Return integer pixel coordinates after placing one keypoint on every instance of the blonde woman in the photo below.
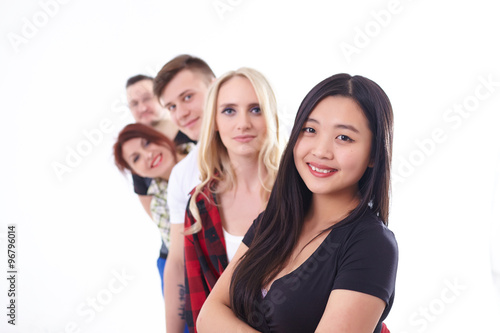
(238, 161)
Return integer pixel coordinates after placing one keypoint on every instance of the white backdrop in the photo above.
(86, 252)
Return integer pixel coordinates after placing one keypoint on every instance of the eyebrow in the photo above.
(185, 92)
(232, 105)
(341, 126)
(180, 95)
(347, 127)
(227, 105)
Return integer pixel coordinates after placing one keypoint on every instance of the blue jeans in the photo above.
(160, 263)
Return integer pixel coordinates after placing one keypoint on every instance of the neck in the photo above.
(164, 177)
(167, 127)
(246, 172)
(327, 210)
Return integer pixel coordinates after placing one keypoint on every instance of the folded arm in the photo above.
(216, 314)
(351, 311)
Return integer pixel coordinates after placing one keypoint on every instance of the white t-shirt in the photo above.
(232, 244)
(184, 177)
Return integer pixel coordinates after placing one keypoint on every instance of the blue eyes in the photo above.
(230, 111)
(186, 98)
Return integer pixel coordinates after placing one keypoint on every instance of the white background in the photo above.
(62, 74)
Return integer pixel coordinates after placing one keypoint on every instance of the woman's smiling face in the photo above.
(148, 159)
(333, 150)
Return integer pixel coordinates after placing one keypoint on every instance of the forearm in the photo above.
(174, 297)
(216, 317)
(174, 281)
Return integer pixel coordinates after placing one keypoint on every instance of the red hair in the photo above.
(137, 130)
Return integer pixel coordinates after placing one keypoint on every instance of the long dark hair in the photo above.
(280, 225)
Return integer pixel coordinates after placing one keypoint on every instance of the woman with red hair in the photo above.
(146, 152)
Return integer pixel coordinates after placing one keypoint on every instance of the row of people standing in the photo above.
(153, 125)
(331, 195)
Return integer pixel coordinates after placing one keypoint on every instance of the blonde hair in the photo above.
(213, 159)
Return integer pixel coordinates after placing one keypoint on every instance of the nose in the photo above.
(182, 112)
(141, 107)
(243, 121)
(323, 149)
(149, 155)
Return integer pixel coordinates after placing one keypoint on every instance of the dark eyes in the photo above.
(145, 99)
(341, 137)
(144, 143)
(344, 138)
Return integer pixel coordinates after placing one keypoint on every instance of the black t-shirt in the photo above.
(181, 138)
(141, 184)
(361, 256)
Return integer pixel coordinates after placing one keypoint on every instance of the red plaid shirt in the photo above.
(205, 255)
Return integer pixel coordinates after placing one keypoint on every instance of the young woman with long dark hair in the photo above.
(320, 258)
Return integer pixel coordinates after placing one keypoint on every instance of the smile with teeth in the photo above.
(321, 170)
(157, 160)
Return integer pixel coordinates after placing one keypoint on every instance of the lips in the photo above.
(190, 123)
(146, 113)
(321, 170)
(156, 161)
(244, 138)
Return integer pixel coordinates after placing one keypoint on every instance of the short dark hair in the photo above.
(177, 64)
(136, 78)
